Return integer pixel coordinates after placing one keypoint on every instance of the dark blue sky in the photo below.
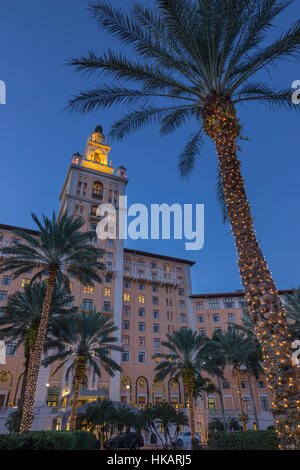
(38, 139)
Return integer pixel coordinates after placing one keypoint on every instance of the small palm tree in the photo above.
(185, 358)
(97, 416)
(236, 348)
(22, 315)
(83, 342)
(166, 416)
(59, 250)
(199, 60)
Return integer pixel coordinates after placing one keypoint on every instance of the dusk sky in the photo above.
(38, 139)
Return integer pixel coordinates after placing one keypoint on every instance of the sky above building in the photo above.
(38, 139)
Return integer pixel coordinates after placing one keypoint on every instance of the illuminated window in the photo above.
(97, 192)
(142, 341)
(126, 296)
(158, 400)
(211, 403)
(141, 299)
(25, 282)
(157, 359)
(88, 289)
(125, 340)
(142, 402)
(107, 291)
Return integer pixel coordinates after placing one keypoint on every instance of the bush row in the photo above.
(249, 440)
(48, 440)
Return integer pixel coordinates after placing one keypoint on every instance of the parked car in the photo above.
(186, 438)
(130, 440)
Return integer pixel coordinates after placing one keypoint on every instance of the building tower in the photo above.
(90, 181)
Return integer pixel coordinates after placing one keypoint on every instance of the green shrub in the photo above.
(48, 440)
(249, 440)
(85, 440)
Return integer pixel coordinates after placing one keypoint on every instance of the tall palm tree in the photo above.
(185, 358)
(59, 250)
(22, 315)
(237, 349)
(203, 386)
(201, 59)
(83, 342)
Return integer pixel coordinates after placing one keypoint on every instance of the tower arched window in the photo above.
(97, 190)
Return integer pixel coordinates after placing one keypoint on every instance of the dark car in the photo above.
(126, 440)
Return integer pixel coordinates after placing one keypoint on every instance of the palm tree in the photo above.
(98, 415)
(82, 342)
(59, 250)
(185, 358)
(203, 386)
(201, 59)
(166, 416)
(237, 349)
(22, 315)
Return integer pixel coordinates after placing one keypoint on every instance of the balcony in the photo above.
(145, 273)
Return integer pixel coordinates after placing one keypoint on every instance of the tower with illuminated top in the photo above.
(91, 180)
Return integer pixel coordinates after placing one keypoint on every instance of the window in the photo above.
(16, 241)
(154, 288)
(126, 284)
(106, 306)
(155, 327)
(260, 384)
(125, 340)
(199, 305)
(156, 358)
(179, 270)
(202, 331)
(247, 403)
(170, 315)
(126, 324)
(153, 265)
(141, 312)
(109, 255)
(88, 289)
(244, 385)
(93, 211)
(11, 349)
(126, 296)
(158, 401)
(181, 304)
(125, 356)
(115, 197)
(226, 385)
(171, 329)
(108, 278)
(140, 263)
(201, 318)
(25, 282)
(126, 261)
(156, 343)
(181, 292)
(183, 317)
(155, 314)
(231, 317)
(216, 318)
(87, 304)
(228, 303)
(126, 310)
(264, 403)
(155, 300)
(93, 226)
(141, 326)
(212, 303)
(211, 403)
(242, 303)
(109, 243)
(141, 356)
(97, 192)
(3, 295)
(141, 286)
(217, 328)
(141, 341)
(6, 280)
(107, 291)
(141, 299)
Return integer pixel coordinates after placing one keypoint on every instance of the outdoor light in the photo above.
(47, 385)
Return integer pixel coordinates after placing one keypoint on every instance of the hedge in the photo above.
(249, 440)
(48, 440)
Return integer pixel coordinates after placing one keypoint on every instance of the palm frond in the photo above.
(187, 158)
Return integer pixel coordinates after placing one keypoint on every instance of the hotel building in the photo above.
(147, 295)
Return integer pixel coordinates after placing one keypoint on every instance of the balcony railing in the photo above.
(145, 273)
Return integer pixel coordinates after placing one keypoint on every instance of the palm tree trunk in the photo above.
(36, 358)
(191, 412)
(22, 392)
(222, 403)
(243, 416)
(266, 310)
(77, 382)
(253, 401)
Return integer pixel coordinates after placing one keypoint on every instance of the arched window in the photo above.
(93, 211)
(97, 190)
